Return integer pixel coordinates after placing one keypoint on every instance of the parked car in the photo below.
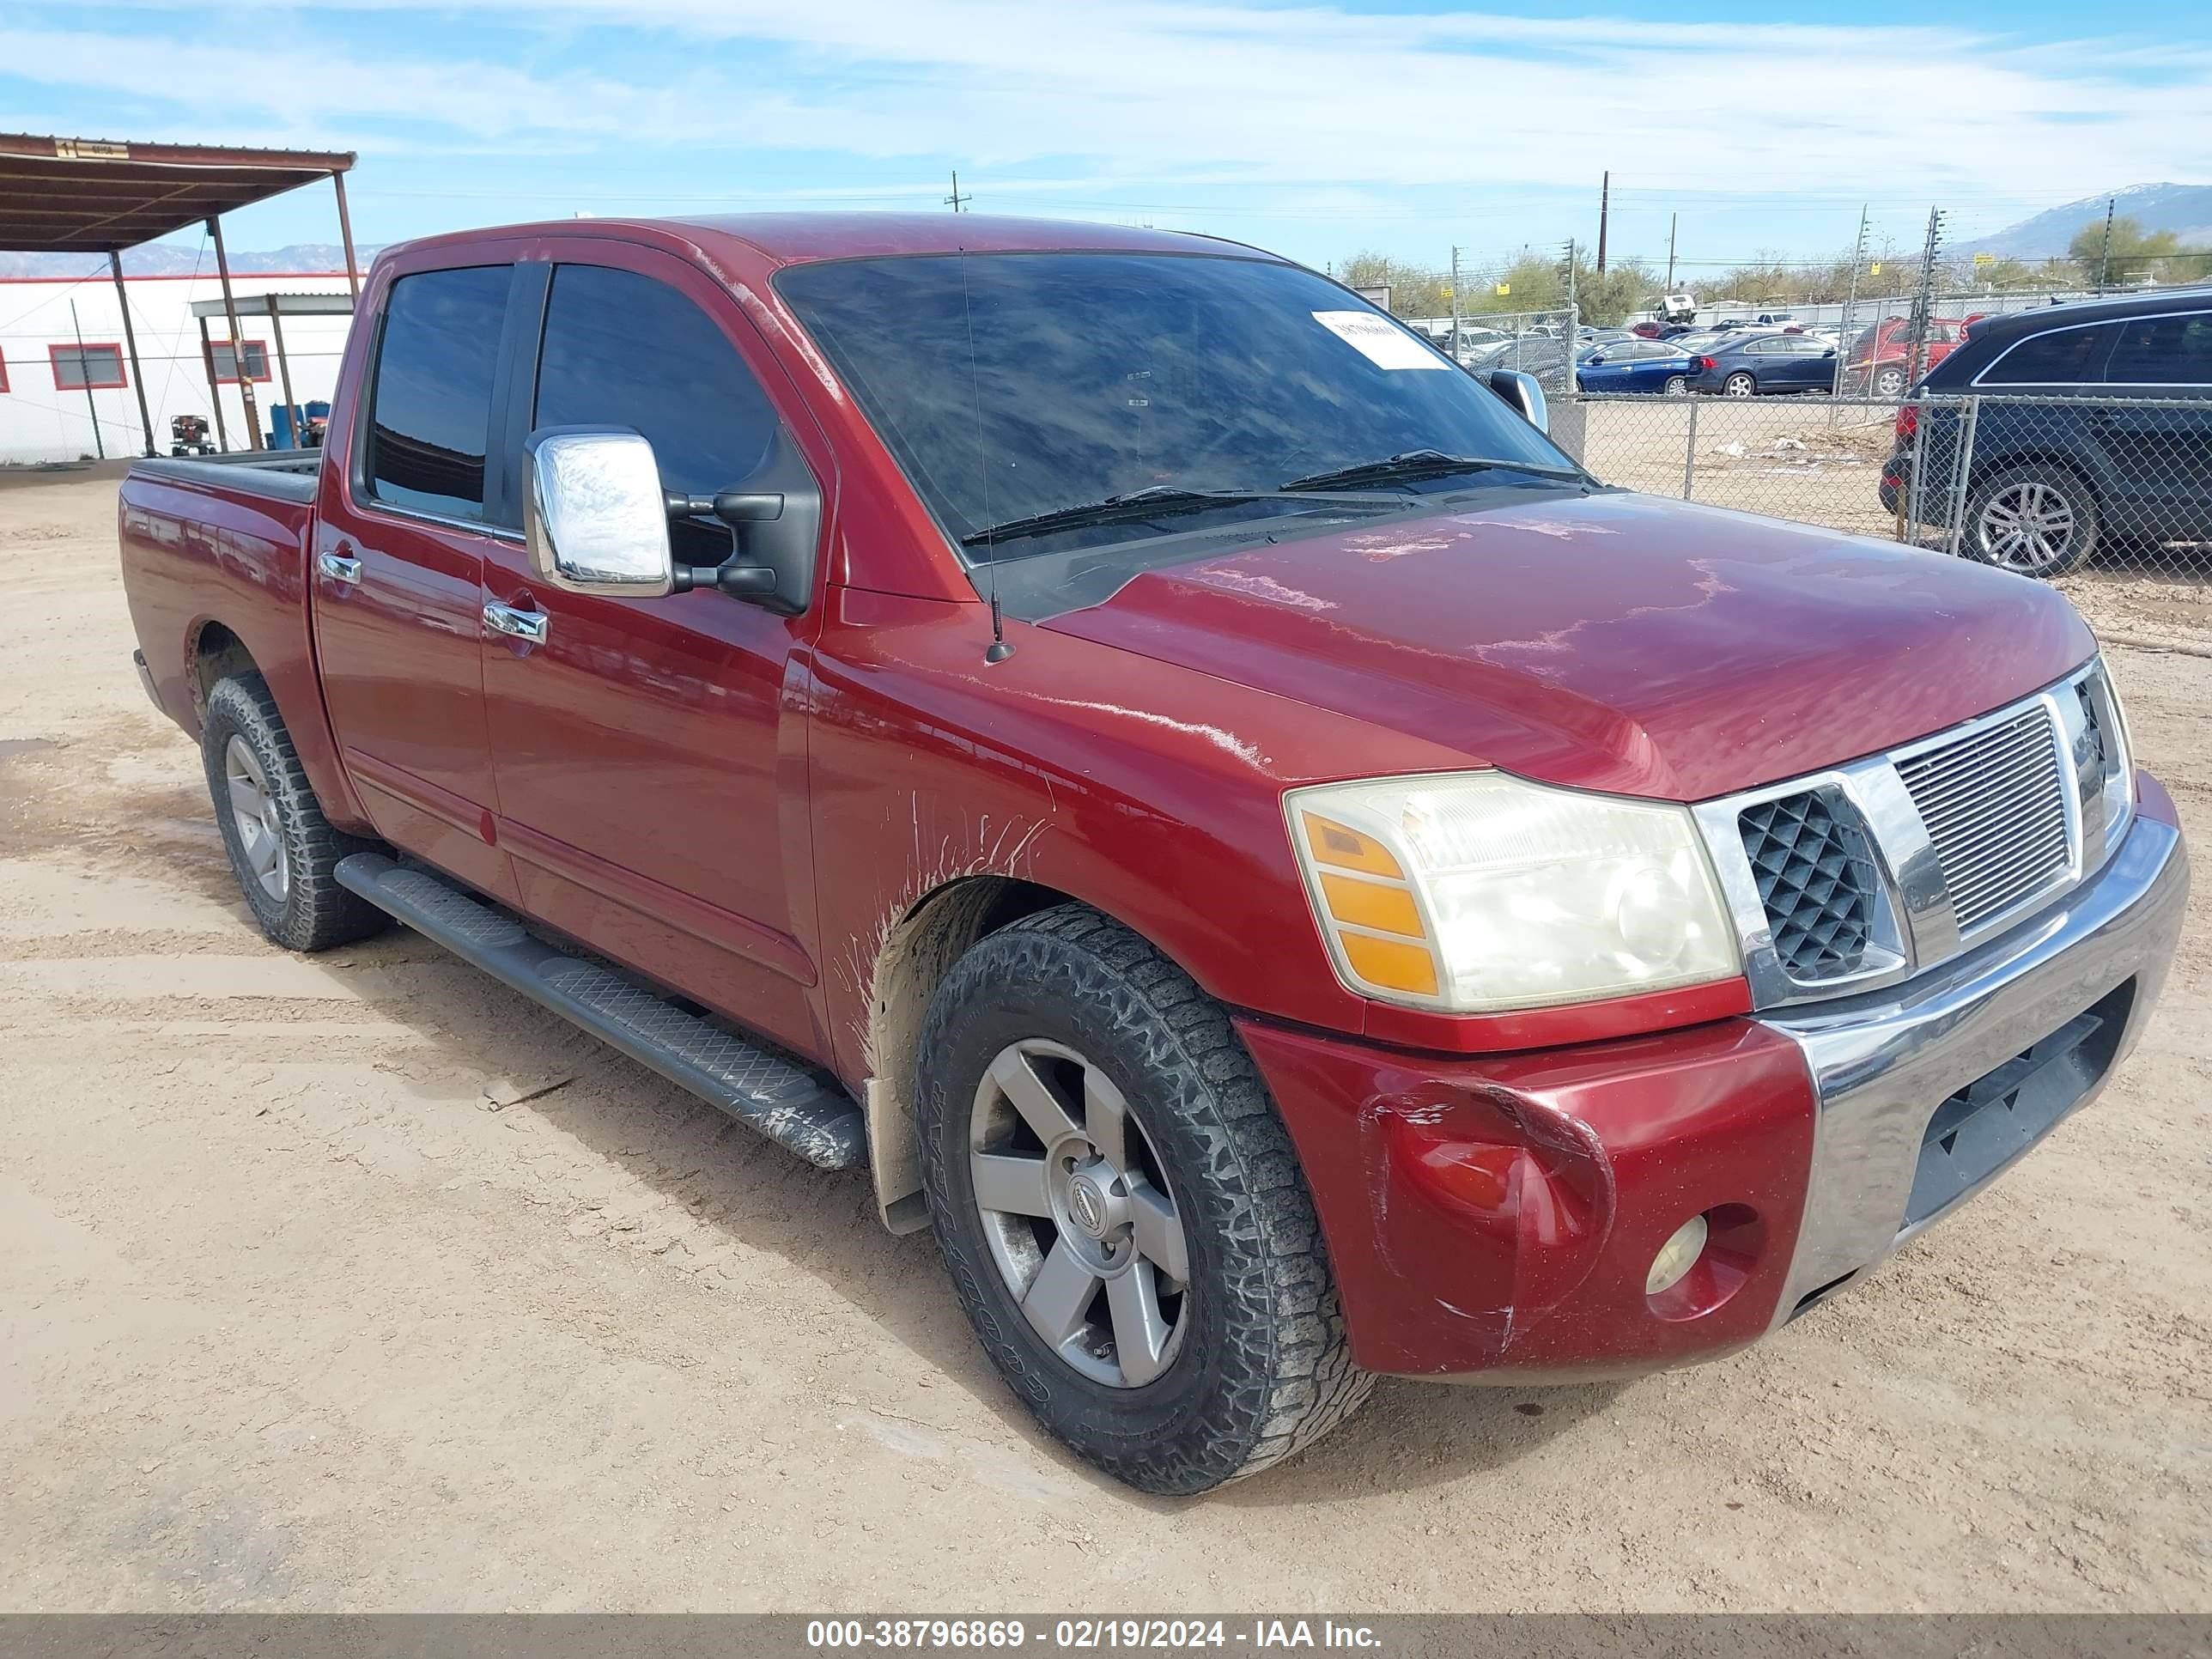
(1477, 345)
(2053, 475)
(1880, 361)
(1745, 365)
(1281, 872)
(1637, 365)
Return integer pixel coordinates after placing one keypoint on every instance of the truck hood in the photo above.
(1619, 642)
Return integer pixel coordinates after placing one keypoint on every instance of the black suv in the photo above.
(2052, 473)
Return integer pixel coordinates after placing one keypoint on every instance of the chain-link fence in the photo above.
(2112, 495)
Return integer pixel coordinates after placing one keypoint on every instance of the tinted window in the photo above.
(2064, 356)
(622, 350)
(1016, 383)
(433, 392)
(2163, 351)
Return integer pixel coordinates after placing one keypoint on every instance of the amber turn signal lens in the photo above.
(1370, 904)
(1395, 967)
(1343, 847)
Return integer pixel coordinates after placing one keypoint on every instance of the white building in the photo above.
(47, 410)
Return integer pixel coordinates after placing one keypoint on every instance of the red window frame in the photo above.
(55, 353)
(251, 348)
(4, 374)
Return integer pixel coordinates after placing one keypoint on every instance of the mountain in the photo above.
(2184, 209)
(172, 259)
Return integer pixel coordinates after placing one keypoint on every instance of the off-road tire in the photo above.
(1262, 1368)
(315, 913)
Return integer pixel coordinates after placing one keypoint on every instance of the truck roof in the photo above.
(802, 238)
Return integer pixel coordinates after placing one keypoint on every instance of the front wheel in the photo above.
(1121, 1211)
(2039, 520)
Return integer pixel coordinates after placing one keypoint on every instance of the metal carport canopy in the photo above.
(95, 196)
(99, 196)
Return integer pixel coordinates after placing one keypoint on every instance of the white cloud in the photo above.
(1313, 97)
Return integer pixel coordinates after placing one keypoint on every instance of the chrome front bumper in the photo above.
(1883, 1063)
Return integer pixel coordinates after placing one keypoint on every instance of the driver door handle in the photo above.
(528, 626)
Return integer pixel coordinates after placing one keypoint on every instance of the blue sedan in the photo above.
(1745, 365)
(1636, 366)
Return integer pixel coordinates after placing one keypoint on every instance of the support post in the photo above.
(84, 370)
(215, 390)
(1963, 474)
(1690, 453)
(237, 341)
(284, 370)
(345, 235)
(131, 344)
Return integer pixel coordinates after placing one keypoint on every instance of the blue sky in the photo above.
(1315, 129)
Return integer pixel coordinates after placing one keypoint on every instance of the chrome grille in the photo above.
(1816, 881)
(1995, 806)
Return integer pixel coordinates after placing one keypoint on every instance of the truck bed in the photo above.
(215, 557)
(284, 476)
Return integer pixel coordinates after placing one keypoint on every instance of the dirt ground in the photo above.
(294, 1314)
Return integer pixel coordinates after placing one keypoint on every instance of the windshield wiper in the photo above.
(1155, 502)
(1417, 464)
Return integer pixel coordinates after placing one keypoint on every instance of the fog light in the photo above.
(1676, 1257)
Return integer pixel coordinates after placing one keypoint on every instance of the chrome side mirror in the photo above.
(595, 517)
(1525, 394)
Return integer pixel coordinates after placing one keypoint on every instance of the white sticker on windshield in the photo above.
(1379, 340)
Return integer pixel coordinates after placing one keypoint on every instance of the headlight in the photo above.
(2104, 758)
(1476, 892)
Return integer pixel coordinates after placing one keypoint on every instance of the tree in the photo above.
(1414, 292)
(2133, 255)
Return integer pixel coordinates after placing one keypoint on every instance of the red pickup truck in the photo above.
(1286, 874)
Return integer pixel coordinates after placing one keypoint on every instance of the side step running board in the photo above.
(795, 1107)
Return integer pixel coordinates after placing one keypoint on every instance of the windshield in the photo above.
(1014, 385)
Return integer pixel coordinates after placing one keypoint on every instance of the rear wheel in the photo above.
(283, 850)
(1889, 381)
(1739, 385)
(1677, 385)
(2038, 519)
(1121, 1211)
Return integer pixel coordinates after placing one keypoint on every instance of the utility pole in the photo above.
(1454, 312)
(2104, 258)
(1604, 202)
(1924, 301)
(1671, 220)
(957, 199)
(84, 370)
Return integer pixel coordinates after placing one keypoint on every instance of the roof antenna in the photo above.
(999, 648)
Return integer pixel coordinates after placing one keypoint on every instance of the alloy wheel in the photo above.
(2025, 527)
(1739, 386)
(1078, 1214)
(254, 812)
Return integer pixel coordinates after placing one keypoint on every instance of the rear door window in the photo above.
(430, 407)
(624, 349)
(2163, 351)
(2064, 356)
